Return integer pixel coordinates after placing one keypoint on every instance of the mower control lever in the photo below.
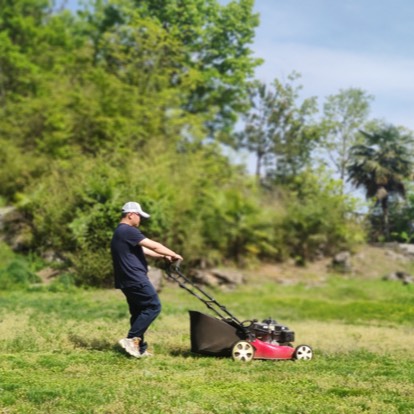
(248, 323)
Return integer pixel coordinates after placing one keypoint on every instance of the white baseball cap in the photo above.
(133, 207)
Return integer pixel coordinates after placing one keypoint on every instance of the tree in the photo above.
(278, 130)
(257, 136)
(381, 165)
(20, 27)
(295, 134)
(343, 115)
(216, 42)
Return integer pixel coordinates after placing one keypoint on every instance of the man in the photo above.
(128, 248)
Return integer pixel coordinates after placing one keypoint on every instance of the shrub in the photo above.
(17, 274)
(319, 218)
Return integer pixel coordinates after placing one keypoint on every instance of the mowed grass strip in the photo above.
(59, 354)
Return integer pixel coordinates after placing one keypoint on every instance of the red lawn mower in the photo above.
(227, 336)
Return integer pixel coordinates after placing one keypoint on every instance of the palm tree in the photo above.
(381, 165)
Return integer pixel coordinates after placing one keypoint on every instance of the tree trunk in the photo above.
(259, 157)
(385, 219)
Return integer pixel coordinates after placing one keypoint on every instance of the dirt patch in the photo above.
(47, 274)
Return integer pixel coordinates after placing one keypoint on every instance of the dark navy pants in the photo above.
(144, 306)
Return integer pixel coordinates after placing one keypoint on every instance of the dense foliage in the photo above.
(137, 100)
(381, 165)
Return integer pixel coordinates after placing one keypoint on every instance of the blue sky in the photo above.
(336, 45)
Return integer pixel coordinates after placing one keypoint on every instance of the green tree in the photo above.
(20, 28)
(295, 132)
(216, 40)
(278, 130)
(116, 103)
(257, 136)
(382, 165)
(344, 114)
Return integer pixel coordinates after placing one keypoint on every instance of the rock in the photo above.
(403, 277)
(203, 277)
(393, 255)
(232, 277)
(406, 249)
(155, 277)
(217, 277)
(50, 256)
(16, 230)
(4, 211)
(342, 262)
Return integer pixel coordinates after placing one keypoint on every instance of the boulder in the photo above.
(228, 277)
(16, 231)
(406, 249)
(155, 276)
(399, 276)
(342, 262)
(217, 277)
(203, 277)
(4, 211)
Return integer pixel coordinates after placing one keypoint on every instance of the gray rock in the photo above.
(406, 249)
(393, 255)
(217, 277)
(16, 231)
(399, 276)
(232, 277)
(342, 262)
(4, 211)
(155, 277)
(203, 277)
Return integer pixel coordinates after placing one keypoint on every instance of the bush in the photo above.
(200, 206)
(16, 275)
(319, 219)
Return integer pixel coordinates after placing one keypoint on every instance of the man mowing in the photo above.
(128, 249)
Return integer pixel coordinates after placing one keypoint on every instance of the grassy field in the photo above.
(59, 352)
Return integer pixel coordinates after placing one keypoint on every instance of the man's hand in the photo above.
(174, 258)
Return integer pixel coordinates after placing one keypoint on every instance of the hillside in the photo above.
(368, 262)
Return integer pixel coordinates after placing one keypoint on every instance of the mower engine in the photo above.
(272, 332)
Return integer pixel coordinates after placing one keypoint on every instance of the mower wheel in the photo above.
(303, 352)
(242, 351)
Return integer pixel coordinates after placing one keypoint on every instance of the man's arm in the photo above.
(155, 249)
(149, 252)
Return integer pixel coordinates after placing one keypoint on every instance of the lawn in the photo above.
(59, 352)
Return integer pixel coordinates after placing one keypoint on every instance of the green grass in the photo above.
(59, 353)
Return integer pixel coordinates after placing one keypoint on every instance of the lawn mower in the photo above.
(227, 336)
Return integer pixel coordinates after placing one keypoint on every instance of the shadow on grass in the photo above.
(105, 345)
(93, 343)
(188, 354)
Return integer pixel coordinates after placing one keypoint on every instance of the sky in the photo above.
(339, 44)
(334, 45)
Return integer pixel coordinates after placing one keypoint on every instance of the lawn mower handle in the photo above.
(173, 272)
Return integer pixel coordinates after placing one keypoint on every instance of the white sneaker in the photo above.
(131, 346)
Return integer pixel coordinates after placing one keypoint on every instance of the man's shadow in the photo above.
(99, 344)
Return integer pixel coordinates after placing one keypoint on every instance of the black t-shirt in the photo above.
(130, 265)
